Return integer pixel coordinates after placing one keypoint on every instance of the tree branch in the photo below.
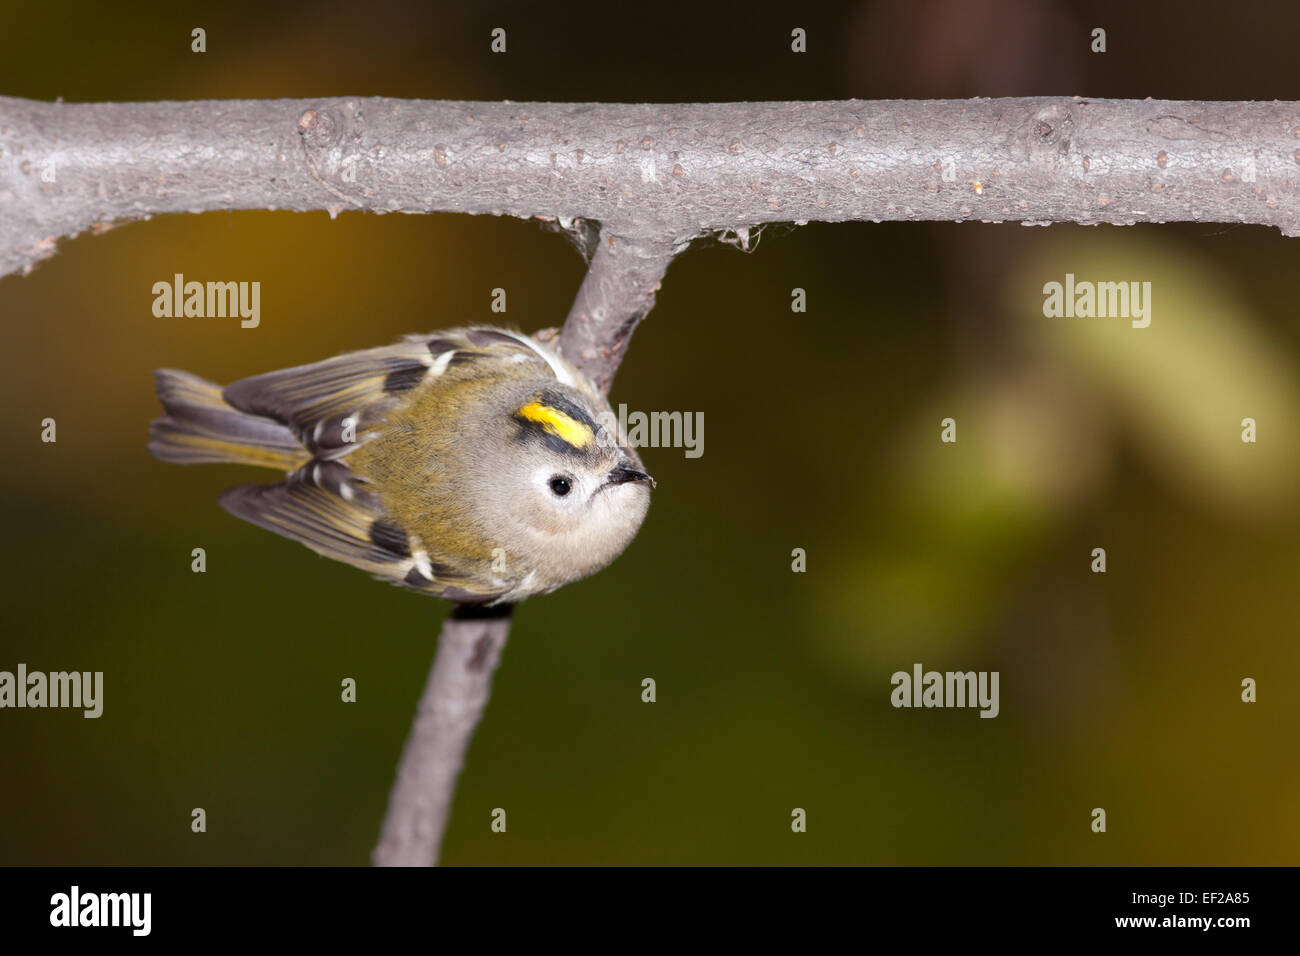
(615, 295)
(663, 173)
(449, 710)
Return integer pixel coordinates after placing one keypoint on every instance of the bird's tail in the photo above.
(201, 428)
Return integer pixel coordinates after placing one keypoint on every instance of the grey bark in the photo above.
(617, 292)
(664, 173)
(615, 295)
(453, 702)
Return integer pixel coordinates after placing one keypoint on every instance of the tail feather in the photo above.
(201, 428)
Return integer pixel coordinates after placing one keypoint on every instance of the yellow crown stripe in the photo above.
(557, 423)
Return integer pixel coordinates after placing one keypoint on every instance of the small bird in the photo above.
(474, 464)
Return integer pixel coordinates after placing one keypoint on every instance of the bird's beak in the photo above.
(622, 474)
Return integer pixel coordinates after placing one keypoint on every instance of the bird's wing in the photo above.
(320, 401)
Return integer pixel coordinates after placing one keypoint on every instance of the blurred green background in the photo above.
(1118, 691)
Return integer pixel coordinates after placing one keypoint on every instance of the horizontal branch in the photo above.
(649, 172)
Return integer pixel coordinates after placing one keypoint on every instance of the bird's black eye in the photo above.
(559, 485)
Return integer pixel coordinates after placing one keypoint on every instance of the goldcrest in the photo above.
(471, 464)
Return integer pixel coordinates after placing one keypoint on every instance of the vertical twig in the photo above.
(449, 710)
(617, 292)
(615, 295)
